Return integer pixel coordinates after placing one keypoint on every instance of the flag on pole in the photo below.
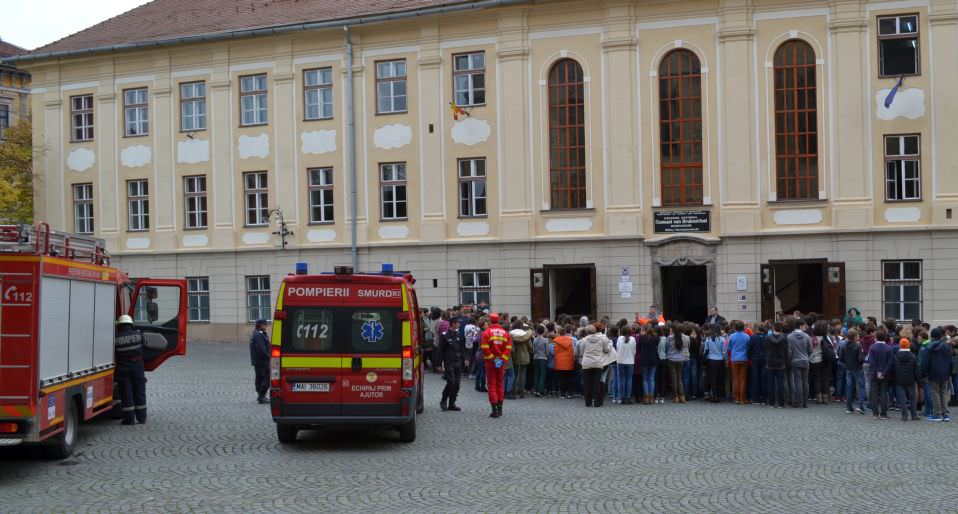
(894, 91)
(457, 112)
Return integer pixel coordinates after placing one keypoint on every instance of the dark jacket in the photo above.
(776, 351)
(852, 356)
(906, 368)
(129, 345)
(938, 363)
(756, 347)
(648, 351)
(882, 358)
(718, 320)
(451, 349)
(258, 348)
(829, 346)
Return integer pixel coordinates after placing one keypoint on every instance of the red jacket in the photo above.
(496, 342)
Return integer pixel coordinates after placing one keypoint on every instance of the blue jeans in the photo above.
(839, 378)
(757, 381)
(855, 381)
(906, 399)
(480, 376)
(926, 389)
(648, 380)
(695, 374)
(623, 381)
(510, 379)
(776, 386)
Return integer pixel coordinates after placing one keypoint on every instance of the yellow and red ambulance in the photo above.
(346, 352)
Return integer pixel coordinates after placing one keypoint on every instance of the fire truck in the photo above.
(346, 352)
(59, 299)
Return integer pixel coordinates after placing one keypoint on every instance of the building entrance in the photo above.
(558, 290)
(684, 293)
(804, 286)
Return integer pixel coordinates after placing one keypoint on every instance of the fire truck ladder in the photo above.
(41, 240)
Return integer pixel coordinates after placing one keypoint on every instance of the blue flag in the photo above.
(894, 91)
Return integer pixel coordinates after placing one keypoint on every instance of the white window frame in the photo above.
(466, 68)
(83, 222)
(258, 290)
(256, 195)
(194, 201)
(899, 34)
(193, 106)
(136, 112)
(901, 282)
(318, 94)
(81, 118)
(471, 283)
(472, 187)
(198, 289)
(392, 87)
(320, 190)
(254, 89)
(902, 169)
(392, 182)
(138, 205)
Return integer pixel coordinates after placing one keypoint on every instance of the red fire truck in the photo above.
(59, 300)
(346, 352)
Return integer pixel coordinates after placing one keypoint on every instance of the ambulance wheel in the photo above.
(420, 406)
(407, 432)
(286, 433)
(62, 445)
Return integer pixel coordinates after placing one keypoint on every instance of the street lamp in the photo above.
(283, 232)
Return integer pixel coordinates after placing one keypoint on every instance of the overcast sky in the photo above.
(34, 23)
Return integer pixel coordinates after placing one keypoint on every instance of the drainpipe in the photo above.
(351, 143)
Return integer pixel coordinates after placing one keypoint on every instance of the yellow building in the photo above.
(552, 156)
(14, 89)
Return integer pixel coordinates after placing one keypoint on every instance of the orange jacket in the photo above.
(496, 342)
(646, 321)
(564, 352)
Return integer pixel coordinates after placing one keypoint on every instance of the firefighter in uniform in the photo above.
(129, 371)
(259, 358)
(450, 352)
(496, 350)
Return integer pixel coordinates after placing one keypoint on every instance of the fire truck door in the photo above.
(159, 312)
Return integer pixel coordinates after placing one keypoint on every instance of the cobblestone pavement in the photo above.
(210, 448)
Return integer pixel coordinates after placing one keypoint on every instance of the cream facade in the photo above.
(761, 252)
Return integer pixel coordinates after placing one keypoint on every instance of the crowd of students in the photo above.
(862, 363)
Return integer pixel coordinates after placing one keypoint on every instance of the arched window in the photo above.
(796, 122)
(680, 128)
(567, 135)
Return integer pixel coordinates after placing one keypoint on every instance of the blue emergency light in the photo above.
(387, 268)
(302, 268)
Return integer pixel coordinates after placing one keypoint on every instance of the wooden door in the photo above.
(768, 292)
(594, 303)
(833, 290)
(539, 293)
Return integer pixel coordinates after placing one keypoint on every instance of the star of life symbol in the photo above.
(372, 331)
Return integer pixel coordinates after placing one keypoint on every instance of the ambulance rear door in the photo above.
(311, 362)
(372, 339)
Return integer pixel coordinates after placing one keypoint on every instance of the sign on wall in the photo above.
(682, 221)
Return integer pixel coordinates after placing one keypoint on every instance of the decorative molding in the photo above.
(429, 62)
(106, 98)
(943, 18)
(223, 85)
(620, 43)
(736, 34)
(284, 78)
(512, 54)
(843, 26)
(162, 92)
(53, 104)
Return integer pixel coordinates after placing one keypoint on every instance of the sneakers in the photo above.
(934, 418)
(849, 411)
(946, 418)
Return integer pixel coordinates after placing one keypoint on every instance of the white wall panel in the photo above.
(82, 302)
(54, 326)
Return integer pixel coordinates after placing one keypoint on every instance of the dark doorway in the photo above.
(798, 287)
(685, 293)
(572, 291)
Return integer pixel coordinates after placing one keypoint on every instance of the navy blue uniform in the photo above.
(130, 376)
(259, 358)
(450, 351)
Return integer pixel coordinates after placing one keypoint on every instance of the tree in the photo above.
(16, 174)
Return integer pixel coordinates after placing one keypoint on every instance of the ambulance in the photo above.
(346, 352)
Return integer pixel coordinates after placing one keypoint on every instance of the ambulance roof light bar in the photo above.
(343, 270)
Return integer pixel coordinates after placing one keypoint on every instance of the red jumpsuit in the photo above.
(496, 343)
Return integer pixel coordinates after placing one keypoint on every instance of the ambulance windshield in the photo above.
(347, 330)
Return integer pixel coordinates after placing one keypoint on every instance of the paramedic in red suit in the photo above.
(496, 350)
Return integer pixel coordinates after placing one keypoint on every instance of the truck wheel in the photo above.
(407, 432)
(286, 433)
(62, 445)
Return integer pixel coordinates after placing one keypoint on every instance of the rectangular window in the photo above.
(901, 289)
(135, 112)
(392, 187)
(81, 118)
(193, 106)
(903, 167)
(83, 208)
(472, 187)
(318, 92)
(253, 100)
(198, 298)
(257, 198)
(194, 192)
(469, 78)
(474, 287)
(898, 52)
(4, 118)
(138, 205)
(391, 86)
(321, 195)
(257, 298)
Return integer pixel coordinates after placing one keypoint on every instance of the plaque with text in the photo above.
(682, 221)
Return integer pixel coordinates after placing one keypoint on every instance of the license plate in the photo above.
(311, 387)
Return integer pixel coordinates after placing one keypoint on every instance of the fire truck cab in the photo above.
(346, 352)
(59, 301)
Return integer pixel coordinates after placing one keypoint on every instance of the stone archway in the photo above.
(683, 250)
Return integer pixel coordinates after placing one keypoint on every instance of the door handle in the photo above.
(357, 364)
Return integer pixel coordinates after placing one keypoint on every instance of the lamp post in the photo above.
(283, 232)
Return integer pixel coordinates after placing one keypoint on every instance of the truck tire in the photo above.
(286, 433)
(62, 446)
(407, 432)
